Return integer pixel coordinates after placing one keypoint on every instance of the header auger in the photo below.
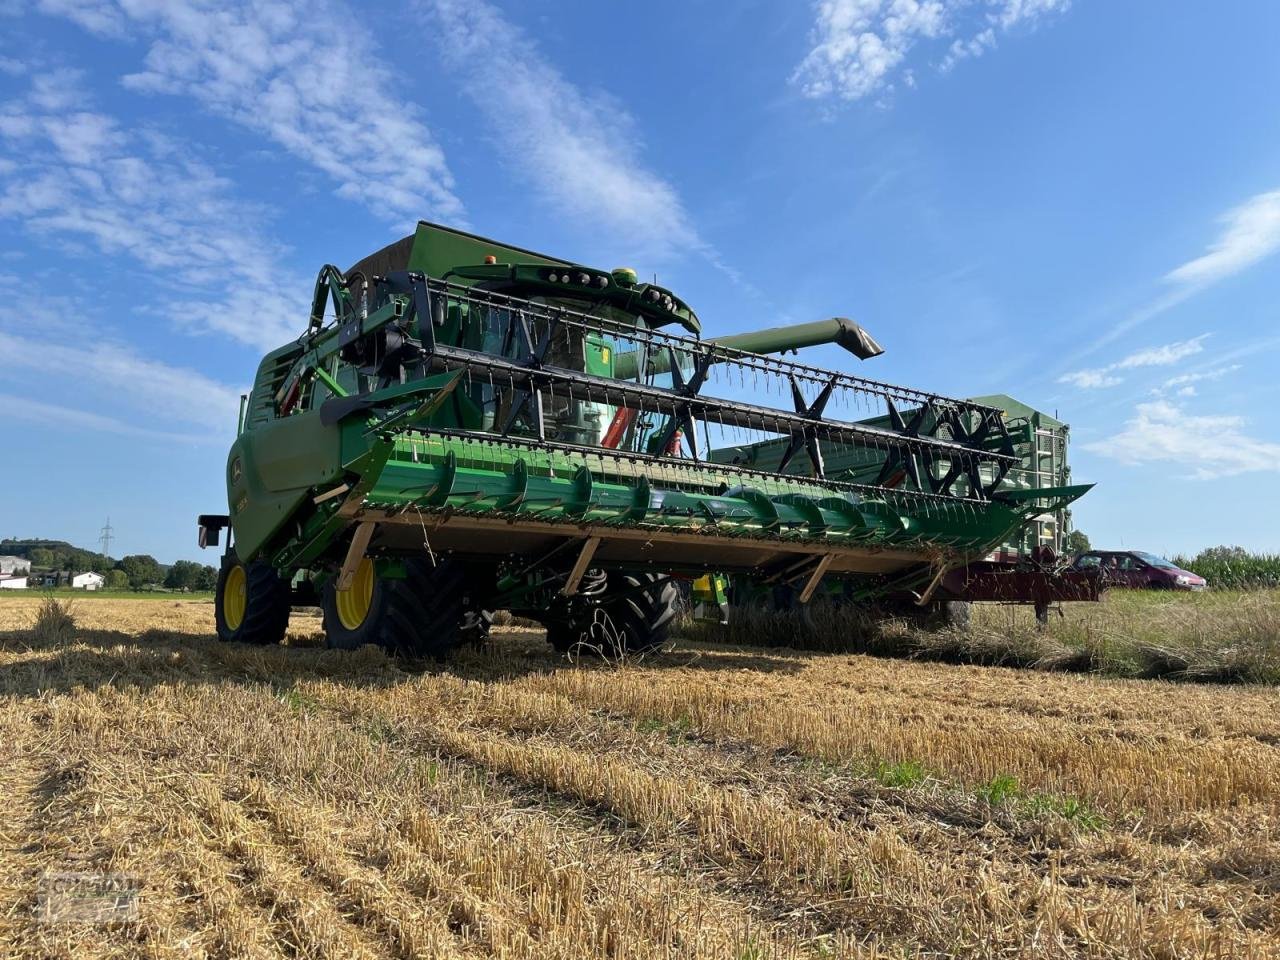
(479, 427)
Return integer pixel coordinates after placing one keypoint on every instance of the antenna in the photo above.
(105, 537)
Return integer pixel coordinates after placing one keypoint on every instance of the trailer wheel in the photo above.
(635, 614)
(251, 602)
(956, 614)
(935, 615)
(427, 613)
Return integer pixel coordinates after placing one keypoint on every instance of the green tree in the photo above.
(183, 575)
(117, 580)
(1077, 542)
(1222, 553)
(207, 578)
(43, 557)
(141, 569)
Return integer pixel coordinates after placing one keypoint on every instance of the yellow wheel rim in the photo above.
(354, 602)
(234, 599)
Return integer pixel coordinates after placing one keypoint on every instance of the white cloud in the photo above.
(1251, 234)
(304, 75)
(105, 376)
(79, 174)
(579, 152)
(1207, 446)
(1161, 356)
(859, 45)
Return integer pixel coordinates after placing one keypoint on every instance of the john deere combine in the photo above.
(466, 426)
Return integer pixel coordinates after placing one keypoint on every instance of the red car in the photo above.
(1142, 571)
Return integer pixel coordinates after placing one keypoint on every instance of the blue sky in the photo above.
(1074, 203)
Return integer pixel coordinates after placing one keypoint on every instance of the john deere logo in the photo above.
(235, 470)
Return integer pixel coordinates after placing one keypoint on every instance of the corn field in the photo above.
(1234, 569)
(711, 800)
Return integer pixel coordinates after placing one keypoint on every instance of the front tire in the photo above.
(429, 612)
(634, 615)
(251, 603)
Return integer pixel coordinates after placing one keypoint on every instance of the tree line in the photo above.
(137, 571)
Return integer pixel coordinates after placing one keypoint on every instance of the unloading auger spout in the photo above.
(838, 330)
(466, 426)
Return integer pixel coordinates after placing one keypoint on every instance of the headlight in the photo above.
(1182, 581)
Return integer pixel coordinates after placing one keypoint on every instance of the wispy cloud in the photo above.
(306, 76)
(104, 18)
(1250, 234)
(968, 48)
(1164, 355)
(1206, 446)
(1161, 356)
(1184, 384)
(859, 46)
(1091, 379)
(81, 175)
(50, 415)
(117, 383)
(580, 152)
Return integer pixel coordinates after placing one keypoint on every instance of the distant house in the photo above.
(14, 565)
(10, 582)
(88, 581)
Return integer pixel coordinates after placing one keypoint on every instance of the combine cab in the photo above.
(465, 426)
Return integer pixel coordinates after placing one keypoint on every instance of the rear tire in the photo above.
(251, 602)
(429, 612)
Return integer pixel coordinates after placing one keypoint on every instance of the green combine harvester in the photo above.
(465, 426)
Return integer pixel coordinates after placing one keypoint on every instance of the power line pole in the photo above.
(105, 537)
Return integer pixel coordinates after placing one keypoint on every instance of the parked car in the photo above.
(1141, 571)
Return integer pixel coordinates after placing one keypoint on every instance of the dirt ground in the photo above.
(710, 801)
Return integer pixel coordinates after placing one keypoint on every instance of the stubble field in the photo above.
(710, 801)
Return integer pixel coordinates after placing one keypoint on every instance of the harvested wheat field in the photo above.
(711, 801)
